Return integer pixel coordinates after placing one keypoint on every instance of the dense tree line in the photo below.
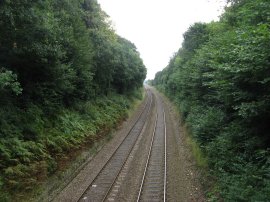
(59, 59)
(220, 80)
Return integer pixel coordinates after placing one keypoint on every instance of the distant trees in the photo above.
(129, 69)
(220, 81)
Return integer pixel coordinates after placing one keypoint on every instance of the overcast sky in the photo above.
(156, 26)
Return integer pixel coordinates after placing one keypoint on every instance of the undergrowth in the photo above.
(197, 153)
(26, 163)
(236, 169)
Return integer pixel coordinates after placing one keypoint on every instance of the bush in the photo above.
(31, 155)
(205, 123)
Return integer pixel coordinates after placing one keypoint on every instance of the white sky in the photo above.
(156, 26)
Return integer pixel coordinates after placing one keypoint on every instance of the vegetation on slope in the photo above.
(64, 77)
(220, 80)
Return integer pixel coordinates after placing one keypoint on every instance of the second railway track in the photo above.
(103, 182)
(133, 166)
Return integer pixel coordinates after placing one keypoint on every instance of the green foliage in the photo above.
(220, 81)
(8, 82)
(65, 76)
(31, 155)
(197, 153)
(205, 123)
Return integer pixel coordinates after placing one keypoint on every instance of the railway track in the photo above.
(100, 187)
(137, 170)
(153, 184)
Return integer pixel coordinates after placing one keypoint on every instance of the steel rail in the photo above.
(149, 156)
(105, 197)
(165, 156)
(149, 99)
(147, 162)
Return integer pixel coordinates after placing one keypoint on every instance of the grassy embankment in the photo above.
(61, 145)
